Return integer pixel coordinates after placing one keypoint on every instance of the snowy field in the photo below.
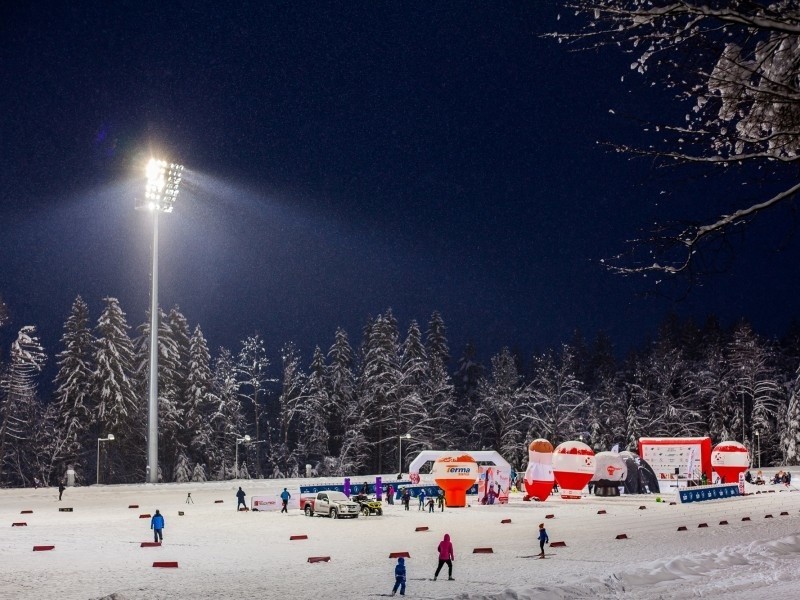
(225, 554)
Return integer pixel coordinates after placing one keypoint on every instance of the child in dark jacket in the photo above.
(400, 577)
(543, 539)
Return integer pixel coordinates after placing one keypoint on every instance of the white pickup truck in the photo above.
(330, 503)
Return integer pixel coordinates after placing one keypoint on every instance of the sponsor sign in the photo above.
(448, 468)
(267, 503)
(497, 480)
(700, 494)
(677, 458)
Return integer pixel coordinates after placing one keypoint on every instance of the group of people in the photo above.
(285, 495)
(425, 501)
(446, 557)
(781, 477)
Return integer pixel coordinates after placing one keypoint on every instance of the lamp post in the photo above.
(109, 438)
(163, 180)
(400, 451)
(758, 447)
(244, 439)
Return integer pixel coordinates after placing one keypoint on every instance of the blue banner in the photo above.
(355, 488)
(717, 492)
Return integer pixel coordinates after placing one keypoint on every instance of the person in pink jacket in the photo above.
(445, 557)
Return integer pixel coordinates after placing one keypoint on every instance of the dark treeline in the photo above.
(343, 409)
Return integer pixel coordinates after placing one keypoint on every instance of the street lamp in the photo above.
(110, 438)
(163, 180)
(244, 439)
(758, 446)
(400, 451)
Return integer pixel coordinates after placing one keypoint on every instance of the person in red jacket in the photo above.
(445, 557)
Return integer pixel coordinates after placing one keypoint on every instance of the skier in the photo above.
(157, 524)
(240, 495)
(440, 499)
(390, 494)
(285, 495)
(446, 556)
(61, 489)
(543, 539)
(430, 504)
(406, 498)
(421, 499)
(400, 577)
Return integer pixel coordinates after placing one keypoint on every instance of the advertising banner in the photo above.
(677, 458)
(493, 485)
(267, 503)
(717, 492)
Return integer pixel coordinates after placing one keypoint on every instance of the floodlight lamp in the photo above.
(110, 437)
(163, 180)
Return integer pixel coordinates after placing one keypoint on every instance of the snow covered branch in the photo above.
(737, 64)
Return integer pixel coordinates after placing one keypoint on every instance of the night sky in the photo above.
(342, 159)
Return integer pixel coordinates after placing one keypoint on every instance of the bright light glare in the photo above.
(155, 168)
(163, 180)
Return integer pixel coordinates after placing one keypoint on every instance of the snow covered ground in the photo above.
(225, 554)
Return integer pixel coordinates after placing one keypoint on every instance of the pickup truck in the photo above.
(330, 503)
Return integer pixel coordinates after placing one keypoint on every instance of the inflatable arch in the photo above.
(501, 467)
(488, 456)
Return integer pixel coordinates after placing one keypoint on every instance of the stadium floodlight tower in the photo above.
(163, 180)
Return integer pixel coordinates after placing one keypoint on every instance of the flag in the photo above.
(690, 465)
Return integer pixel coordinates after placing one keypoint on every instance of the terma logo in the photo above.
(459, 470)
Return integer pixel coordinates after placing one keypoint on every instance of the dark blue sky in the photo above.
(342, 159)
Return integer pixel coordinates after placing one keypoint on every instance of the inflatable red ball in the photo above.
(729, 459)
(573, 467)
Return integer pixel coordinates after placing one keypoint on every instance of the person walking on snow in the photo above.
(240, 495)
(543, 539)
(421, 498)
(390, 494)
(61, 489)
(446, 556)
(400, 577)
(285, 495)
(157, 524)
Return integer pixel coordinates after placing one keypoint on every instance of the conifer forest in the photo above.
(342, 409)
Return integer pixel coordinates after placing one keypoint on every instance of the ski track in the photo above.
(226, 554)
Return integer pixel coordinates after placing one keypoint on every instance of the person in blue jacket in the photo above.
(285, 495)
(400, 577)
(157, 524)
(543, 539)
